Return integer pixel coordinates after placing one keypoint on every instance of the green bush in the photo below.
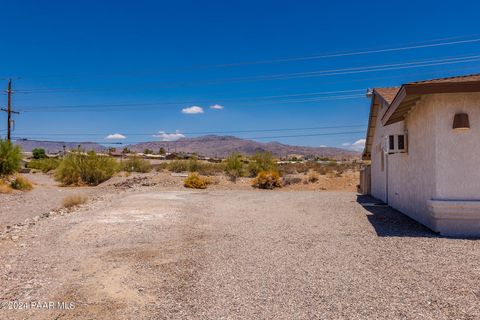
(196, 181)
(45, 165)
(21, 183)
(261, 161)
(38, 153)
(267, 180)
(85, 169)
(136, 164)
(10, 157)
(193, 164)
(234, 166)
(178, 166)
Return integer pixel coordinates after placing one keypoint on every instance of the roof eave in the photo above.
(417, 89)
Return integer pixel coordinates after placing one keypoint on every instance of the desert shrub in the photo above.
(4, 187)
(160, 166)
(38, 153)
(313, 177)
(289, 180)
(21, 183)
(234, 166)
(136, 164)
(207, 168)
(10, 157)
(193, 164)
(267, 180)
(293, 168)
(178, 166)
(45, 165)
(261, 161)
(73, 200)
(91, 169)
(195, 181)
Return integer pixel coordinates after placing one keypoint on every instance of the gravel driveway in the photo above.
(239, 255)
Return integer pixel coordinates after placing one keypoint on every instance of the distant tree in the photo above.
(125, 150)
(112, 149)
(38, 153)
(148, 151)
(162, 151)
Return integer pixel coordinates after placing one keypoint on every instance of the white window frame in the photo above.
(395, 143)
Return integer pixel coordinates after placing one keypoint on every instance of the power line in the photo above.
(198, 132)
(404, 47)
(249, 138)
(295, 75)
(139, 106)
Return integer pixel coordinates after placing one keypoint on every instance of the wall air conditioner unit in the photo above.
(397, 143)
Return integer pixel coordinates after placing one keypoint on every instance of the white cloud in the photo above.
(192, 110)
(323, 146)
(216, 107)
(357, 145)
(115, 136)
(169, 136)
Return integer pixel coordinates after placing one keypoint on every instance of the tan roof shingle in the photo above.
(387, 93)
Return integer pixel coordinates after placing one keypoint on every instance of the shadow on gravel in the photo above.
(389, 222)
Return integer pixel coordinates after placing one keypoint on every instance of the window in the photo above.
(397, 143)
(391, 142)
(401, 142)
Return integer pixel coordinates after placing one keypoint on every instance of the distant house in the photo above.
(423, 141)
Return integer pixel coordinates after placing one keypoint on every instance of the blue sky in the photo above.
(88, 69)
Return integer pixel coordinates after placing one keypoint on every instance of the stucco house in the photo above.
(423, 141)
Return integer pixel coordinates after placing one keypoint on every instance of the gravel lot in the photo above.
(153, 254)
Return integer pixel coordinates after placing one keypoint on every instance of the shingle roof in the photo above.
(464, 78)
(387, 93)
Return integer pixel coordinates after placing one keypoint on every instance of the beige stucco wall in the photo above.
(441, 164)
(411, 175)
(378, 178)
(457, 153)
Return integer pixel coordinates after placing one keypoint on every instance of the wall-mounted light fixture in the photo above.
(460, 122)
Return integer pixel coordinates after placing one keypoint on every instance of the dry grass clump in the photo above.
(267, 180)
(4, 187)
(74, 200)
(313, 177)
(21, 183)
(195, 181)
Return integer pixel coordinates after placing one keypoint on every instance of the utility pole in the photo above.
(9, 110)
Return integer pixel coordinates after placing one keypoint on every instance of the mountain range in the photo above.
(211, 145)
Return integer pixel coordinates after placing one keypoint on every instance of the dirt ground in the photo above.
(157, 251)
(20, 207)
